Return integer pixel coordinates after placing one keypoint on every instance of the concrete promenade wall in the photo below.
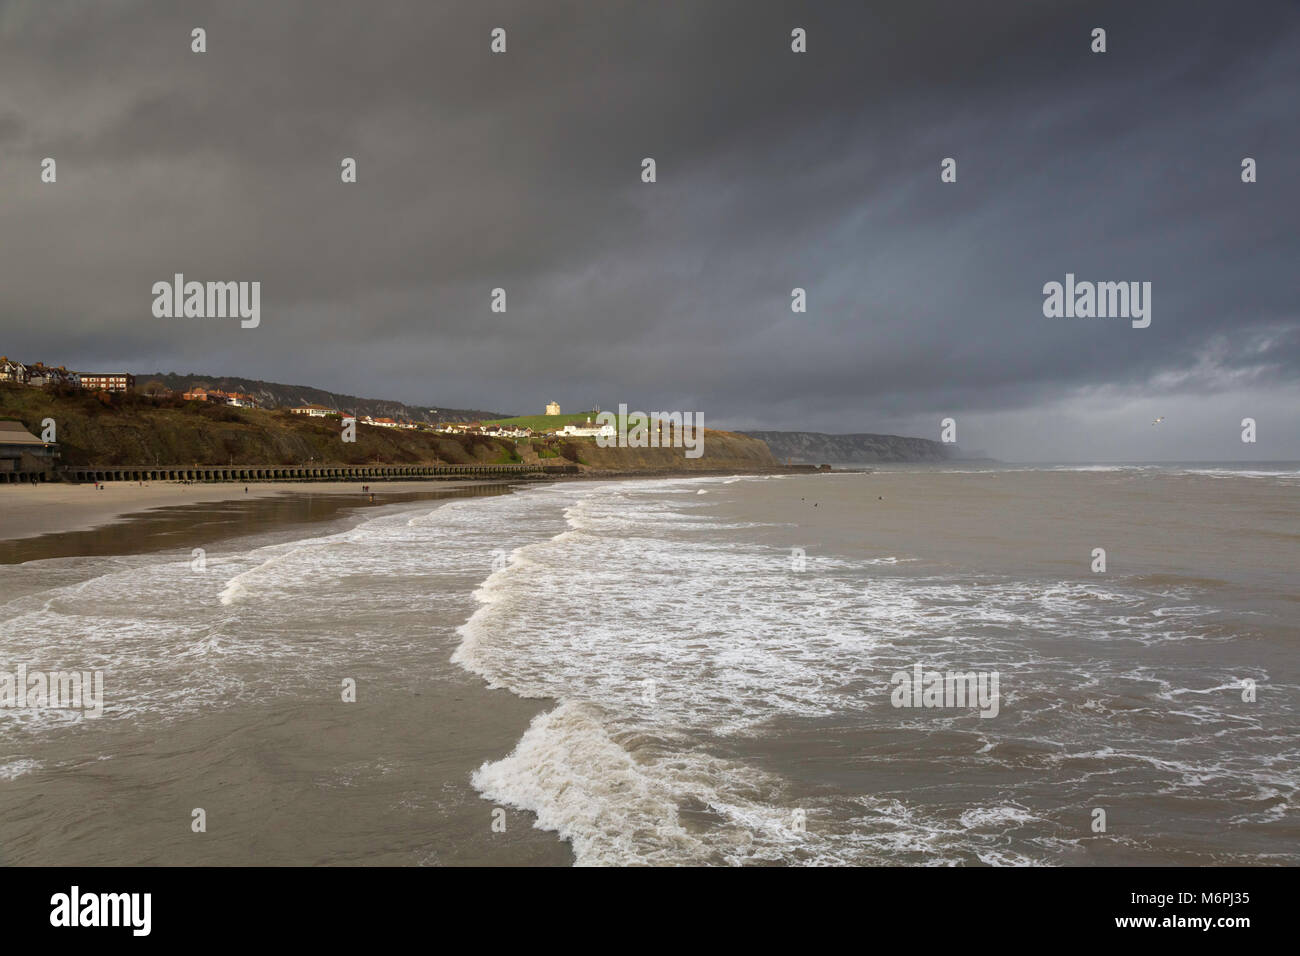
(292, 472)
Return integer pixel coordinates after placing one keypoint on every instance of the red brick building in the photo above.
(107, 381)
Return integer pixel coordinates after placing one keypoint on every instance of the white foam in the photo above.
(609, 585)
(17, 768)
(641, 588)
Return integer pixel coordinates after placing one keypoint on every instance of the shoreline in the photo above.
(28, 511)
(58, 520)
(397, 761)
(419, 744)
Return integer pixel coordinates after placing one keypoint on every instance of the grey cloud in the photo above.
(775, 171)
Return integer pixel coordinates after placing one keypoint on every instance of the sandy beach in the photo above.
(63, 521)
(30, 510)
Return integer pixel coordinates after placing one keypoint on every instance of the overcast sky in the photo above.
(775, 170)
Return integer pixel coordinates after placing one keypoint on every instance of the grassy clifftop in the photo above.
(139, 430)
(540, 422)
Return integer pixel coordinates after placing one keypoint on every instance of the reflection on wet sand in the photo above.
(192, 525)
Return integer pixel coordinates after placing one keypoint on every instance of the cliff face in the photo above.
(723, 451)
(135, 430)
(140, 430)
(818, 448)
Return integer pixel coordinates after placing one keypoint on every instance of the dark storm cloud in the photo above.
(775, 170)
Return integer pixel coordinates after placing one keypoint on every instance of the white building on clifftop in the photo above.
(589, 430)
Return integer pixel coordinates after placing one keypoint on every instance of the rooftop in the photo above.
(14, 433)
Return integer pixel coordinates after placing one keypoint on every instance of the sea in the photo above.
(718, 670)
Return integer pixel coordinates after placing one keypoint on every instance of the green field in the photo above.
(541, 422)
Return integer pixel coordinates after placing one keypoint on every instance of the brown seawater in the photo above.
(708, 665)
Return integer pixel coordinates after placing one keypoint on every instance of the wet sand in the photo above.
(30, 510)
(58, 521)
